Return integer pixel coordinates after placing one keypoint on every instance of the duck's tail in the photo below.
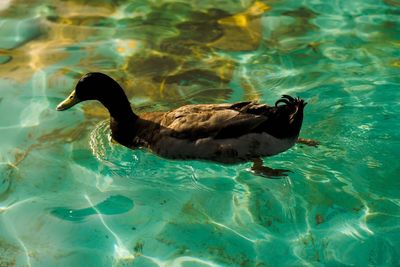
(291, 101)
(285, 118)
(291, 109)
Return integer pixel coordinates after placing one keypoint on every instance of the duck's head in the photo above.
(94, 86)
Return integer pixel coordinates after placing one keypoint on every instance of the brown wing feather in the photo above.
(217, 121)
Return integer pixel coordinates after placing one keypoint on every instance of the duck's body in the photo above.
(225, 133)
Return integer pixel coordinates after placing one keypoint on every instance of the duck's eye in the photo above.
(71, 96)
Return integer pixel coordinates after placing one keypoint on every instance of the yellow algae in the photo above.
(162, 86)
(300, 25)
(94, 110)
(37, 54)
(59, 134)
(395, 63)
(77, 8)
(242, 19)
(250, 91)
(162, 74)
(8, 254)
(258, 8)
(392, 2)
(242, 31)
(314, 46)
(67, 135)
(126, 47)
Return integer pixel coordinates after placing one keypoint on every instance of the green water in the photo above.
(69, 196)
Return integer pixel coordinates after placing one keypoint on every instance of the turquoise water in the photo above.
(69, 196)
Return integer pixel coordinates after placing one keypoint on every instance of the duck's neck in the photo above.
(122, 119)
(120, 111)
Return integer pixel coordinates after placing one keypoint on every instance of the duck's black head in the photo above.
(93, 86)
(99, 86)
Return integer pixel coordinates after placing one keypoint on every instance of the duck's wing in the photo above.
(214, 120)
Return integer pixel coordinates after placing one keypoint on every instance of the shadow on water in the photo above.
(113, 205)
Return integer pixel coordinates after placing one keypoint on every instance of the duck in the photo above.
(226, 133)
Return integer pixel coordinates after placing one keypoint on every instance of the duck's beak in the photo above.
(70, 101)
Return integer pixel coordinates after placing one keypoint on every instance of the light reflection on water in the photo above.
(70, 195)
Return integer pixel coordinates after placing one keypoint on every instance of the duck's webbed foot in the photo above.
(259, 169)
(308, 142)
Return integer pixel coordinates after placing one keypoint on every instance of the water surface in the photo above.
(69, 196)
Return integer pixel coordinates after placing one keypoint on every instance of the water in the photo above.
(72, 197)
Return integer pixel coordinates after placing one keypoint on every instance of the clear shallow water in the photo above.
(71, 197)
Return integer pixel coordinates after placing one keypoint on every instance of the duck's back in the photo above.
(218, 132)
(210, 121)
